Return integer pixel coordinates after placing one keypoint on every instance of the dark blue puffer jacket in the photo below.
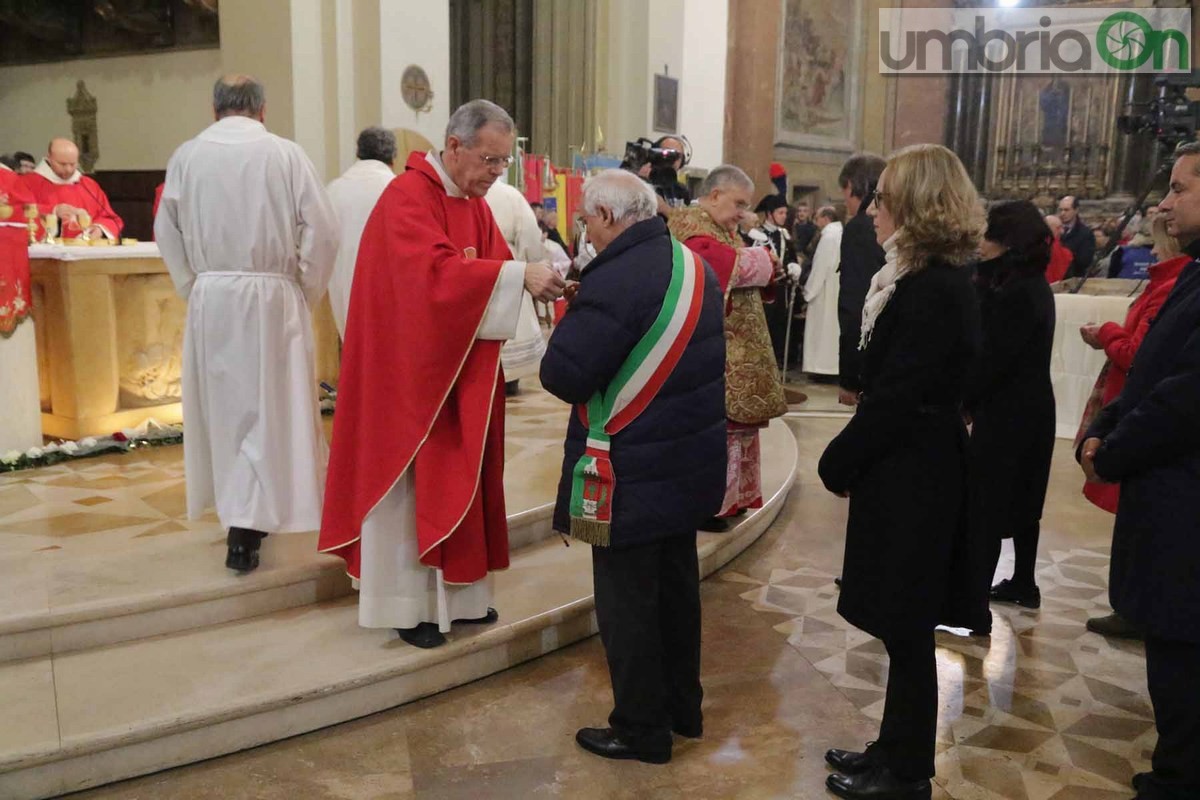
(670, 461)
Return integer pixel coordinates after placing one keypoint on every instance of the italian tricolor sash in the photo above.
(636, 383)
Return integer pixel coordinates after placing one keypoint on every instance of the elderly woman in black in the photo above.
(902, 458)
(1009, 396)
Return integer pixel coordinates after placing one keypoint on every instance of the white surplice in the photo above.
(821, 294)
(521, 356)
(353, 196)
(395, 589)
(249, 238)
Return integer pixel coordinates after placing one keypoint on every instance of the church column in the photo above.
(981, 131)
(1132, 155)
(754, 27)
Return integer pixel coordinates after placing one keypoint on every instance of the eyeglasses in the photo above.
(879, 199)
(492, 162)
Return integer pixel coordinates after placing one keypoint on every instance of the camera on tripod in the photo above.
(1171, 116)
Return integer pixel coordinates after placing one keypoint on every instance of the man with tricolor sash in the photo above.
(641, 356)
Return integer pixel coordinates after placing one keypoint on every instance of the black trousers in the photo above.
(1171, 670)
(906, 736)
(648, 610)
(1025, 545)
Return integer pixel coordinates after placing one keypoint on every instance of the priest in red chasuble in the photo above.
(15, 299)
(414, 501)
(753, 393)
(78, 201)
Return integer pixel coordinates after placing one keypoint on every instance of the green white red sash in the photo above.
(636, 383)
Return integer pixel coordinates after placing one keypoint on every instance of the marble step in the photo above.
(73, 720)
(179, 582)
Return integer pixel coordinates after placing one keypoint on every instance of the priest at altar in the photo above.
(414, 501)
(20, 407)
(80, 204)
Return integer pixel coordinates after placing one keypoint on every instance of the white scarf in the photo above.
(883, 286)
(44, 170)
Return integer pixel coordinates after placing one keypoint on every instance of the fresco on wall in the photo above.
(817, 74)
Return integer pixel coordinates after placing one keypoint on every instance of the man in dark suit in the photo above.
(1148, 440)
(861, 258)
(1076, 237)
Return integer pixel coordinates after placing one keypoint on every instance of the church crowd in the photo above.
(930, 310)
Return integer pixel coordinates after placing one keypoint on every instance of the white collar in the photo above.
(5, 166)
(234, 129)
(449, 185)
(43, 169)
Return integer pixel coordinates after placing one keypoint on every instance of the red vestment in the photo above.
(1060, 262)
(15, 298)
(417, 388)
(83, 193)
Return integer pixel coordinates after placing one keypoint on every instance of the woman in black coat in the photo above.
(902, 458)
(1010, 398)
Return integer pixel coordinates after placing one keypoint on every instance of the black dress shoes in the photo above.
(425, 635)
(878, 783)
(487, 619)
(1025, 596)
(851, 762)
(688, 730)
(242, 545)
(1116, 626)
(605, 743)
(715, 525)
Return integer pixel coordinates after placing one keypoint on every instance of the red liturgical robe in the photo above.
(79, 191)
(15, 299)
(419, 388)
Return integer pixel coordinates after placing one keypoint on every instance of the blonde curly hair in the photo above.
(934, 204)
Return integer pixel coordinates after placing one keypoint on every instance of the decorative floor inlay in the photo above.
(1044, 710)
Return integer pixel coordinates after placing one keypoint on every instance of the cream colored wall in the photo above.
(623, 112)
(415, 33)
(148, 105)
(702, 91)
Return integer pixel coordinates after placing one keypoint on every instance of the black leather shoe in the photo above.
(1008, 592)
(605, 743)
(242, 545)
(851, 762)
(1116, 626)
(426, 636)
(691, 730)
(715, 525)
(878, 783)
(487, 619)
(1140, 781)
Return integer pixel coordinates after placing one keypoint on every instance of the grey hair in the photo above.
(627, 196)
(828, 212)
(467, 120)
(238, 94)
(725, 176)
(377, 144)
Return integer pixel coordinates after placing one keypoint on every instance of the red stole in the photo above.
(85, 194)
(417, 389)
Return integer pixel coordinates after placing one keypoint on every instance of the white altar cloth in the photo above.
(1074, 366)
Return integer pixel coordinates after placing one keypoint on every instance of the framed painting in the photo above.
(666, 104)
(818, 75)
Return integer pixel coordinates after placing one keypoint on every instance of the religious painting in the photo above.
(666, 104)
(817, 74)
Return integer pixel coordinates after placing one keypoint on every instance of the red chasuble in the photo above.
(84, 193)
(15, 300)
(417, 389)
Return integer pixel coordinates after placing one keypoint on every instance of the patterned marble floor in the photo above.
(1043, 710)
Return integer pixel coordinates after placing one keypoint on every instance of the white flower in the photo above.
(11, 457)
(34, 452)
(50, 448)
(70, 448)
(87, 442)
(130, 433)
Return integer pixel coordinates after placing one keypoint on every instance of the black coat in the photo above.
(1011, 399)
(670, 461)
(1082, 244)
(1151, 435)
(861, 258)
(902, 458)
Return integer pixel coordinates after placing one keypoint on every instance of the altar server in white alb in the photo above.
(521, 356)
(250, 239)
(821, 294)
(354, 196)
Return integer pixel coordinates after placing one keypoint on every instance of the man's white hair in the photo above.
(625, 195)
(723, 177)
(469, 118)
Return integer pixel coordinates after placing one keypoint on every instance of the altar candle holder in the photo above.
(31, 221)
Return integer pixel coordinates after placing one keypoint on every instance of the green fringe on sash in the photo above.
(591, 532)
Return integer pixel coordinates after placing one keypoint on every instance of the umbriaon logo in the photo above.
(1034, 40)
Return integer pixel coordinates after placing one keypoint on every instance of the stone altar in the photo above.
(109, 331)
